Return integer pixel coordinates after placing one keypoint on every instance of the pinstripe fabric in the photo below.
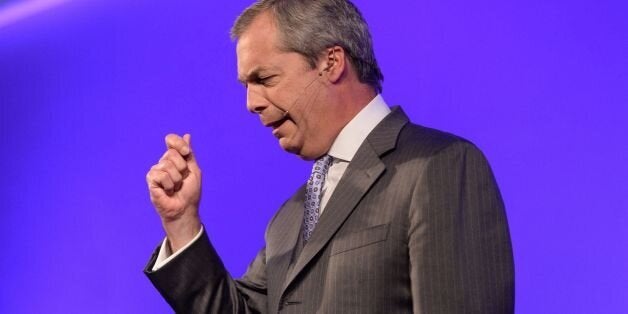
(415, 225)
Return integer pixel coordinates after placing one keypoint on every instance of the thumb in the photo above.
(190, 158)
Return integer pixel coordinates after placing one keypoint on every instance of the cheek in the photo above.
(278, 96)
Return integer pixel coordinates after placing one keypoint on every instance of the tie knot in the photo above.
(322, 164)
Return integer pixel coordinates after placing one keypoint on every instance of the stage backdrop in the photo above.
(89, 89)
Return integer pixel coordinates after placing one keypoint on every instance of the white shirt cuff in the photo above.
(166, 256)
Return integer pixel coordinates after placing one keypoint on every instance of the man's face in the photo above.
(278, 82)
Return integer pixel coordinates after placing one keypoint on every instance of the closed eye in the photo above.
(266, 80)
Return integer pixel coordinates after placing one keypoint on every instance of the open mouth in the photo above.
(276, 122)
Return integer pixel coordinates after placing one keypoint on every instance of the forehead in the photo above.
(257, 47)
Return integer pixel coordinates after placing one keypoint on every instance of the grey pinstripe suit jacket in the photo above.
(416, 225)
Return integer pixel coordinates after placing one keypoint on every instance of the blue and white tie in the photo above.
(313, 195)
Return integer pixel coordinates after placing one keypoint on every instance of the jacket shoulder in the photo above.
(424, 141)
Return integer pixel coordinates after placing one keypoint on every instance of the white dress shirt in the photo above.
(342, 150)
(348, 141)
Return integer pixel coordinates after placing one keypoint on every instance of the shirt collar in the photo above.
(355, 132)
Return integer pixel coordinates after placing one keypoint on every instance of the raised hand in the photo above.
(174, 184)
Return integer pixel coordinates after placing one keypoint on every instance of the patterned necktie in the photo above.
(313, 195)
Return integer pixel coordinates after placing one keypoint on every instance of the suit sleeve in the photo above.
(459, 243)
(196, 281)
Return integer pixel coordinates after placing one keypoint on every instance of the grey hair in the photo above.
(309, 27)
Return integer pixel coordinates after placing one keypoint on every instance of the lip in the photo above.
(275, 126)
(275, 123)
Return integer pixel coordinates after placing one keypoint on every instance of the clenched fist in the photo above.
(174, 184)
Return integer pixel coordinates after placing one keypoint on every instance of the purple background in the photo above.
(89, 90)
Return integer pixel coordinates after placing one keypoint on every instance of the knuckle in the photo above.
(159, 166)
(166, 155)
(173, 140)
(170, 164)
(173, 154)
(165, 164)
(150, 175)
(171, 137)
(162, 177)
(170, 154)
(179, 163)
(166, 183)
(156, 176)
(176, 162)
(177, 176)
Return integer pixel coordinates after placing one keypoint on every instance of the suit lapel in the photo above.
(362, 172)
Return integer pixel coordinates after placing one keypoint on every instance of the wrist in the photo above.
(181, 231)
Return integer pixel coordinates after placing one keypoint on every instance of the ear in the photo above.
(333, 64)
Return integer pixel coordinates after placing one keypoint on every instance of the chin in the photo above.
(297, 150)
(290, 147)
(297, 147)
(310, 153)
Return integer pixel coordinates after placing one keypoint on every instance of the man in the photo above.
(395, 218)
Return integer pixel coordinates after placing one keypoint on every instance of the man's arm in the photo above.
(460, 251)
(174, 184)
(195, 281)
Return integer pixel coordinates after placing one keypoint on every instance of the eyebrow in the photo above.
(253, 75)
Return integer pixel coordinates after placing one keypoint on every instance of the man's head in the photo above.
(308, 67)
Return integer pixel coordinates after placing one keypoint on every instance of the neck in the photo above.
(347, 99)
(352, 99)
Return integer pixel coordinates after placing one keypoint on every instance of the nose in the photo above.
(255, 101)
